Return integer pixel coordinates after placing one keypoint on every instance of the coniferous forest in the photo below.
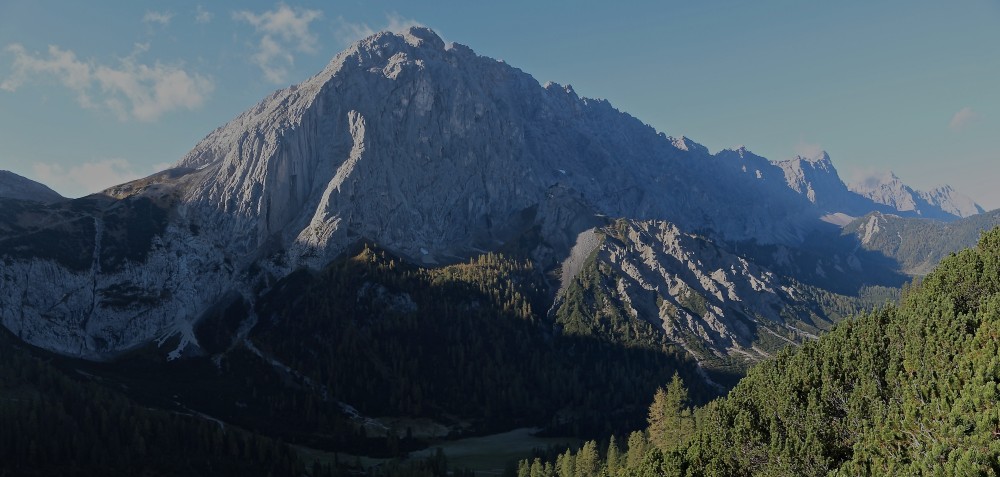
(903, 390)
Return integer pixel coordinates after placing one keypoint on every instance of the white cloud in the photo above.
(129, 89)
(865, 174)
(396, 23)
(86, 178)
(283, 31)
(348, 32)
(808, 150)
(962, 118)
(163, 18)
(202, 16)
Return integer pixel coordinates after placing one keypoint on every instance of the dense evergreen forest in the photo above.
(51, 424)
(904, 390)
(56, 424)
(469, 342)
(463, 344)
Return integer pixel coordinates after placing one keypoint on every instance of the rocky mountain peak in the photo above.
(433, 152)
(939, 203)
(816, 177)
(686, 144)
(419, 36)
(951, 201)
(819, 160)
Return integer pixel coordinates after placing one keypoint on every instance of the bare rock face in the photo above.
(818, 181)
(96, 275)
(952, 202)
(13, 186)
(433, 152)
(713, 303)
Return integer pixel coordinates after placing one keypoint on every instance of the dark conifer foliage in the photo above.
(53, 425)
(904, 390)
(471, 341)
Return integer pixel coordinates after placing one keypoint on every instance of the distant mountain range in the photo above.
(942, 203)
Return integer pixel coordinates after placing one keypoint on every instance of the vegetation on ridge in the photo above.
(904, 390)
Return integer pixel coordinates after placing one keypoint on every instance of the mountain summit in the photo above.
(435, 152)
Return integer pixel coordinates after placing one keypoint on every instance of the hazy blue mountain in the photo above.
(13, 186)
(943, 203)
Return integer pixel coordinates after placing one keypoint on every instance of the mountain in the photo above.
(13, 186)
(722, 308)
(817, 179)
(917, 245)
(952, 202)
(435, 152)
(942, 203)
(436, 155)
(428, 150)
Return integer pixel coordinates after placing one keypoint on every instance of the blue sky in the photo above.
(95, 93)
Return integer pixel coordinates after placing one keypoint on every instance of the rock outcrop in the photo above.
(713, 303)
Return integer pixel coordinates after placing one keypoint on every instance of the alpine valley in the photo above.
(420, 244)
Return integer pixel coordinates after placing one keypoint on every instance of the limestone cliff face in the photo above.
(433, 152)
(713, 303)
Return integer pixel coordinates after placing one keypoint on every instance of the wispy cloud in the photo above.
(962, 118)
(201, 15)
(129, 89)
(163, 18)
(282, 31)
(348, 32)
(89, 177)
(808, 150)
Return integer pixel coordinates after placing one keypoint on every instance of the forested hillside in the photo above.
(468, 342)
(917, 245)
(904, 390)
(51, 424)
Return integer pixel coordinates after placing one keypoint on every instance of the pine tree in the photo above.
(613, 458)
(636, 449)
(587, 461)
(671, 422)
(566, 465)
